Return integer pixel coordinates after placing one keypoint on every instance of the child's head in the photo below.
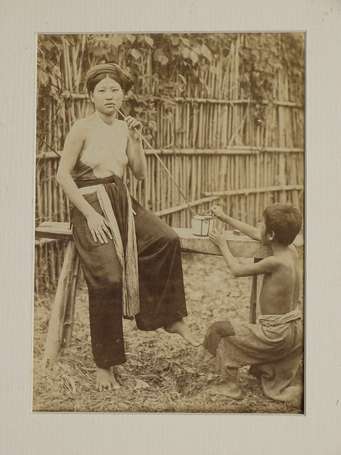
(283, 222)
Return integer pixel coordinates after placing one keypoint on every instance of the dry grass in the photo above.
(162, 374)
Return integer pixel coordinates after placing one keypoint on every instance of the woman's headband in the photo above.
(108, 69)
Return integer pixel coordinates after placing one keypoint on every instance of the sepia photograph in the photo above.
(169, 249)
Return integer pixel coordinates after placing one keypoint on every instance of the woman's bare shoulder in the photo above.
(81, 126)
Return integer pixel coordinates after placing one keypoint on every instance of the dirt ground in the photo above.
(162, 373)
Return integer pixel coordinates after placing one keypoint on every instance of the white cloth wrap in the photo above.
(128, 258)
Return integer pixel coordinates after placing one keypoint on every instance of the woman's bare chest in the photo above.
(105, 145)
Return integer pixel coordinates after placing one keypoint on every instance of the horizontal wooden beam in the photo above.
(245, 192)
(239, 150)
(180, 99)
(57, 230)
(240, 245)
(179, 208)
(216, 195)
(283, 103)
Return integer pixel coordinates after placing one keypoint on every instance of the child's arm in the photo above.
(245, 228)
(297, 276)
(267, 265)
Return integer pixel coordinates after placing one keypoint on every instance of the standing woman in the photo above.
(130, 258)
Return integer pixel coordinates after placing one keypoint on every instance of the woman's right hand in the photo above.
(98, 227)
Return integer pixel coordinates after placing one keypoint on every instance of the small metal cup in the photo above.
(201, 225)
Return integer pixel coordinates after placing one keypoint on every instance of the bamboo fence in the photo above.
(206, 136)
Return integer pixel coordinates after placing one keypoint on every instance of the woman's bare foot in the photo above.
(182, 329)
(105, 380)
(228, 389)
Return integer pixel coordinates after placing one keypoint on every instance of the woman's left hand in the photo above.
(133, 123)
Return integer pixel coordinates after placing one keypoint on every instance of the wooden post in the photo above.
(71, 301)
(55, 332)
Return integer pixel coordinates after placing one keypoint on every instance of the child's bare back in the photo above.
(280, 288)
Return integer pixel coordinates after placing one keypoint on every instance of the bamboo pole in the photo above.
(39, 193)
